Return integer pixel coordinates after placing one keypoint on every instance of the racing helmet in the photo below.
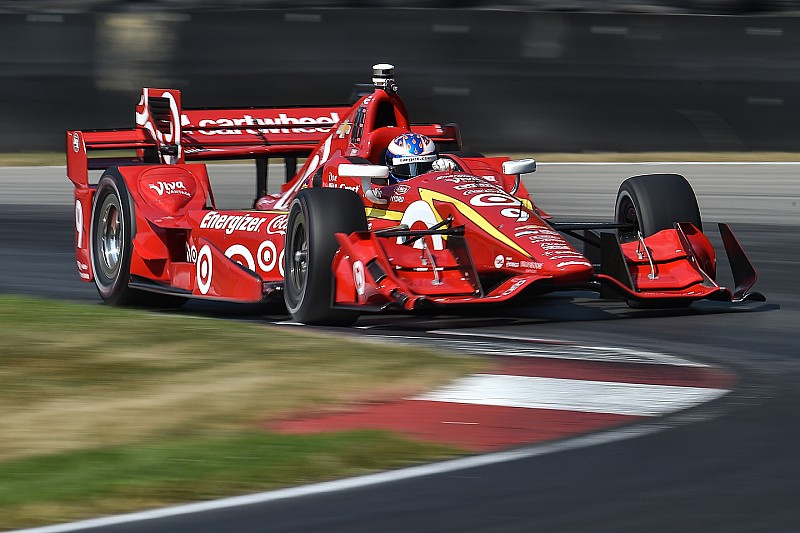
(409, 155)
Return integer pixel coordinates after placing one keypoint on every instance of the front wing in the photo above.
(672, 267)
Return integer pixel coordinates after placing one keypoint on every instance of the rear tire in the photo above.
(654, 202)
(113, 227)
(314, 217)
(111, 239)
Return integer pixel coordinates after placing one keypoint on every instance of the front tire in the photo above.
(314, 217)
(654, 202)
(651, 203)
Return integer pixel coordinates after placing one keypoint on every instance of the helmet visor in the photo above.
(409, 167)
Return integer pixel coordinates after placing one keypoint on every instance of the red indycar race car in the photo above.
(382, 215)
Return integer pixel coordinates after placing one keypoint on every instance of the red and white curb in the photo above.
(544, 392)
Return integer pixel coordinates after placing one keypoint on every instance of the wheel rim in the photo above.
(110, 238)
(298, 260)
(628, 215)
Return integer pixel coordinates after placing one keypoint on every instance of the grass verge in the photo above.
(111, 410)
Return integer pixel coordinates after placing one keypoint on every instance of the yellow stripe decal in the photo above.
(374, 212)
(467, 210)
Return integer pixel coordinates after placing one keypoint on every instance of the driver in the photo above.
(409, 155)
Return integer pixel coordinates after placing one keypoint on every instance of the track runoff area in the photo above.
(550, 396)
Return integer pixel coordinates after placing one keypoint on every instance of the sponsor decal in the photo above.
(492, 199)
(405, 159)
(316, 124)
(535, 265)
(191, 253)
(459, 178)
(514, 287)
(420, 211)
(204, 269)
(569, 263)
(79, 223)
(169, 188)
(267, 256)
(83, 270)
(480, 190)
(277, 226)
(241, 251)
(231, 223)
(358, 278)
(402, 189)
(516, 213)
(344, 129)
(473, 185)
(475, 216)
(76, 143)
(499, 261)
(354, 188)
(551, 243)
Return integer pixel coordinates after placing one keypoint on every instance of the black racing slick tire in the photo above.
(314, 217)
(654, 202)
(113, 227)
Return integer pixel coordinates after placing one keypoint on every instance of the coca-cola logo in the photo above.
(278, 225)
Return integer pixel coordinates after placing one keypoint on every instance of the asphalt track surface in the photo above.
(731, 465)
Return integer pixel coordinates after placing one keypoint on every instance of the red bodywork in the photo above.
(495, 244)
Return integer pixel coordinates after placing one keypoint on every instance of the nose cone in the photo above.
(557, 257)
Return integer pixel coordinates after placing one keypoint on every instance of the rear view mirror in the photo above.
(519, 166)
(367, 173)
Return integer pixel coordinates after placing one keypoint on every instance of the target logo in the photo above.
(204, 269)
(359, 278)
(267, 256)
(420, 211)
(241, 255)
(492, 199)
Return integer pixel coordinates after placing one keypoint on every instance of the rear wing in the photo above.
(165, 133)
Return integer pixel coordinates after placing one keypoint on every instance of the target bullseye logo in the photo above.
(359, 278)
(205, 269)
(267, 256)
(239, 252)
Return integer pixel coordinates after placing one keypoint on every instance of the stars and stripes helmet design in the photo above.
(409, 155)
